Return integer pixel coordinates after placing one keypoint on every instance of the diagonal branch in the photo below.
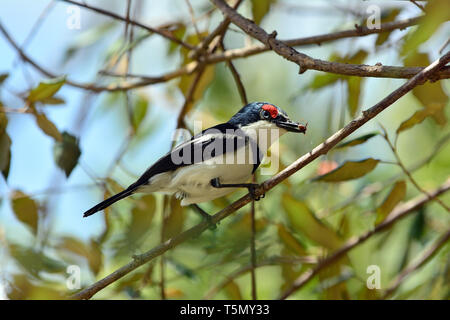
(321, 149)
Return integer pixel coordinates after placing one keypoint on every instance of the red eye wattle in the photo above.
(271, 109)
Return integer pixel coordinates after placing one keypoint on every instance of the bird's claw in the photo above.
(252, 192)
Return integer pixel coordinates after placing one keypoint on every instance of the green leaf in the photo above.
(357, 141)
(260, 8)
(353, 94)
(290, 241)
(349, 170)
(396, 195)
(353, 83)
(181, 268)
(5, 147)
(323, 80)
(46, 89)
(34, 261)
(302, 219)
(140, 108)
(47, 126)
(386, 17)
(66, 153)
(437, 12)
(26, 210)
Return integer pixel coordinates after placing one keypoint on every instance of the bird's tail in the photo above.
(106, 203)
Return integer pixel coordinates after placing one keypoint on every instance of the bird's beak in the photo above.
(292, 126)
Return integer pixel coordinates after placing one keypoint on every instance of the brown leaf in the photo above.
(47, 126)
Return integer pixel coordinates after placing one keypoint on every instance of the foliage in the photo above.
(111, 137)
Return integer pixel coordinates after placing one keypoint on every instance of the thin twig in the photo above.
(418, 5)
(161, 32)
(193, 19)
(304, 61)
(236, 77)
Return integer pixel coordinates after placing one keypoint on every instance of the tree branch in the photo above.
(321, 149)
(304, 61)
(398, 213)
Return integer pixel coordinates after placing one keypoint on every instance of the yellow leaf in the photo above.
(396, 195)
(46, 89)
(290, 241)
(233, 291)
(260, 8)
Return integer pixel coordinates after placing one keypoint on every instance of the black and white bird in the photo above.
(216, 161)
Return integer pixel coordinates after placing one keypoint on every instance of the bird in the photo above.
(216, 161)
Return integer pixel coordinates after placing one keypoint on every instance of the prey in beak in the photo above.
(289, 125)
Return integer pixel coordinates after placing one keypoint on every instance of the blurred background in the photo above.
(63, 149)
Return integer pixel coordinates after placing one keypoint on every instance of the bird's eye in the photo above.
(265, 114)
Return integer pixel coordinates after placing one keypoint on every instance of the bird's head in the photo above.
(265, 115)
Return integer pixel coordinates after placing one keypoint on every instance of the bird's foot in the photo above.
(251, 187)
(252, 191)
